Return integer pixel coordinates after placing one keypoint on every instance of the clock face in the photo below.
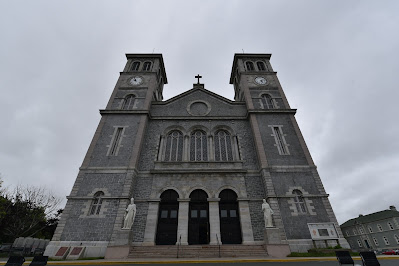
(136, 80)
(260, 80)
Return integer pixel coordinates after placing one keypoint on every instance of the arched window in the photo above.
(128, 102)
(174, 146)
(267, 102)
(250, 66)
(386, 240)
(147, 66)
(96, 204)
(135, 66)
(198, 146)
(261, 66)
(299, 202)
(375, 241)
(370, 229)
(223, 148)
(397, 239)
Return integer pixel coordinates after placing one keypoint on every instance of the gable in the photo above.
(198, 103)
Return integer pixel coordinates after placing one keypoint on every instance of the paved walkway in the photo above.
(394, 259)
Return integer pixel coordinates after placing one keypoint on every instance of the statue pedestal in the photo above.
(273, 244)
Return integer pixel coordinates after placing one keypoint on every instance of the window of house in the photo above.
(354, 232)
(386, 240)
(261, 66)
(147, 66)
(359, 243)
(267, 102)
(250, 66)
(223, 148)
(361, 230)
(128, 102)
(370, 229)
(299, 201)
(280, 141)
(379, 227)
(198, 146)
(135, 66)
(347, 233)
(96, 203)
(390, 226)
(174, 146)
(375, 241)
(115, 142)
(396, 239)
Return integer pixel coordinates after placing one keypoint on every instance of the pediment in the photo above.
(198, 102)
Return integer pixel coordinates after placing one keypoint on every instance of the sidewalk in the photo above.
(194, 260)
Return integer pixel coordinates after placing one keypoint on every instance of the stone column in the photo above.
(214, 221)
(236, 151)
(186, 148)
(245, 220)
(151, 224)
(182, 224)
(161, 149)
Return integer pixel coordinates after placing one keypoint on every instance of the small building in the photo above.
(375, 231)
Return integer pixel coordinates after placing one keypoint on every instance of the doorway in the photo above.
(167, 218)
(198, 224)
(230, 228)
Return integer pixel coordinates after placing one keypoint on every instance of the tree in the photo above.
(27, 211)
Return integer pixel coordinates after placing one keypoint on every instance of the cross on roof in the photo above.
(198, 77)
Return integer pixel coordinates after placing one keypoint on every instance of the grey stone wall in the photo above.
(140, 222)
(80, 226)
(99, 157)
(94, 182)
(297, 156)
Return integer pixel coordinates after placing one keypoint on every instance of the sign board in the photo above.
(323, 231)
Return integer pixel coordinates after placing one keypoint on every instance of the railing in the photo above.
(178, 247)
(217, 239)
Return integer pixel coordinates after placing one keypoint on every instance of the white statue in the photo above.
(130, 214)
(267, 214)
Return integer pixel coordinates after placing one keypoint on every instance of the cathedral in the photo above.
(197, 169)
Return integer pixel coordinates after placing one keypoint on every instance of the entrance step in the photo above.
(197, 251)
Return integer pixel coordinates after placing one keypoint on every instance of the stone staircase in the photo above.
(198, 251)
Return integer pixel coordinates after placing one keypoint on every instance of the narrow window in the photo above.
(174, 146)
(115, 141)
(370, 229)
(359, 243)
(375, 241)
(223, 148)
(96, 203)
(397, 239)
(347, 233)
(267, 102)
(354, 232)
(299, 202)
(135, 66)
(198, 146)
(250, 66)
(128, 102)
(386, 240)
(147, 66)
(361, 230)
(390, 226)
(280, 141)
(261, 66)
(379, 227)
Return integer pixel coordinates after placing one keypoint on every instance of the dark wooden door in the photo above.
(198, 224)
(167, 219)
(230, 227)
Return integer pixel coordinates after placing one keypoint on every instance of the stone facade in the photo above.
(251, 148)
(376, 231)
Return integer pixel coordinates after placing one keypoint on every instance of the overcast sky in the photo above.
(336, 60)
